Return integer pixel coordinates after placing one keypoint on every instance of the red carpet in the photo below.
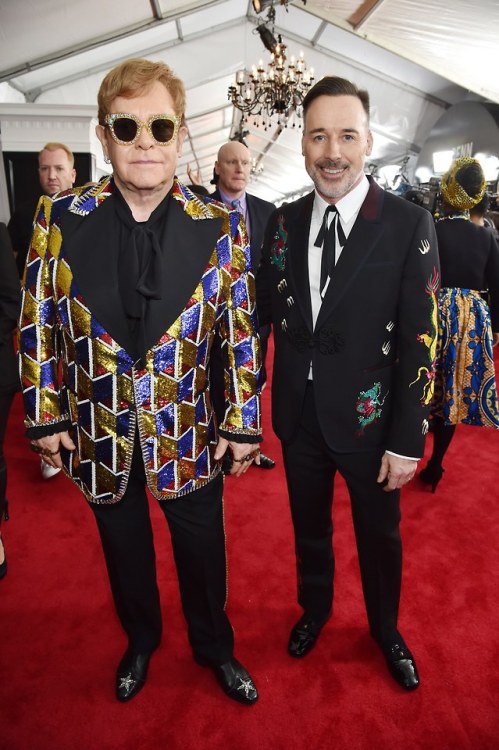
(60, 641)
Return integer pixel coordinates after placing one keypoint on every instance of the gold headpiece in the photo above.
(453, 192)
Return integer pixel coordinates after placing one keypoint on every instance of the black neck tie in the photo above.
(327, 238)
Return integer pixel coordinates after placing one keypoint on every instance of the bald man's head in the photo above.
(233, 167)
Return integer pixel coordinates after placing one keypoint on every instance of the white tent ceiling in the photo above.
(416, 58)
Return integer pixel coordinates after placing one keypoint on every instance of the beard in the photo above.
(337, 186)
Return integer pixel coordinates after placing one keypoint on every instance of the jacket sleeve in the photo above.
(416, 341)
(263, 296)
(38, 359)
(239, 332)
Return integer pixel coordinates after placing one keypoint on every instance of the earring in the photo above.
(107, 160)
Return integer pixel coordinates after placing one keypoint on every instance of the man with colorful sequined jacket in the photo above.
(348, 279)
(135, 275)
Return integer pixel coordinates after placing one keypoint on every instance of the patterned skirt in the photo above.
(465, 381)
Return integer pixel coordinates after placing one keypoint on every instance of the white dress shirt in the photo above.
(348, 209)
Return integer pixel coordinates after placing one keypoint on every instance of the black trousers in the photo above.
(196, 526)
(310, 470)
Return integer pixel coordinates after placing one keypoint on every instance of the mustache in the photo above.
(331, 164)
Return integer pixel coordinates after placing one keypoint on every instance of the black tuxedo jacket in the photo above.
(259, 212)
(373, 347)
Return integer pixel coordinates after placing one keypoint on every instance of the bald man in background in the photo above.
(231, 176)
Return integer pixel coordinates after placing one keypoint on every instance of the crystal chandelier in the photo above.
(278, 89)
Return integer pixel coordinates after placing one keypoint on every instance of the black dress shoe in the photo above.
(402, 666)
(265, 462)
(131, 675)
(234, 679)
(304, 635)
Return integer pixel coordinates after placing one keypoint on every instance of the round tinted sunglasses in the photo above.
(126, 128)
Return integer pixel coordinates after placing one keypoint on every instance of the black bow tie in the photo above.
(327, 239)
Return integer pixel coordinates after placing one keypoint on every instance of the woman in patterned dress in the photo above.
(465, 383)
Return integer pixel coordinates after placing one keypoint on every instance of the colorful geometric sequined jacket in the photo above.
(75, 361)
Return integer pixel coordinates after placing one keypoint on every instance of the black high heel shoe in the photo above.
(432, 474)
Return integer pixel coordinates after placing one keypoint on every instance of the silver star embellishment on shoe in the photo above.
(247, 686)
(127, 682)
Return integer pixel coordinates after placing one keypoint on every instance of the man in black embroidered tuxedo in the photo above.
(351, 301)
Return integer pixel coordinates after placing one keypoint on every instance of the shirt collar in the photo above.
(228, 201)
(348, 206)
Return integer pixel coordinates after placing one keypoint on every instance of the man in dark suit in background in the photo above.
(56, 172)
(348, 277)
(231, 175)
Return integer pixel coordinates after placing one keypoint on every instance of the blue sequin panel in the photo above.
(240, 293)
(143, 390)
(81, 353)
(224, 250)
(123, 362)
(234, 221)
(46, 311)
(201, 352)
(185, 387)
(190, 321)
(87, 204)
(29, 341)
(62, 307)
(243, 354)
(249, 412)
(104, 450)
(201, 416)
(186, 444)
(165, 420)
(103, 389)
(210, 284)
(164, 356)
(32, 274)
(202, 463)
(166, 476)
(46, 374)
(122, 423)
(96, 329)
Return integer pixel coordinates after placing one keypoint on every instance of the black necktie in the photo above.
(327, 238)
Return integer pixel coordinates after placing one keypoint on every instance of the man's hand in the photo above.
(397, 471)
(243, 455)
(495, 338)
(49, 448)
